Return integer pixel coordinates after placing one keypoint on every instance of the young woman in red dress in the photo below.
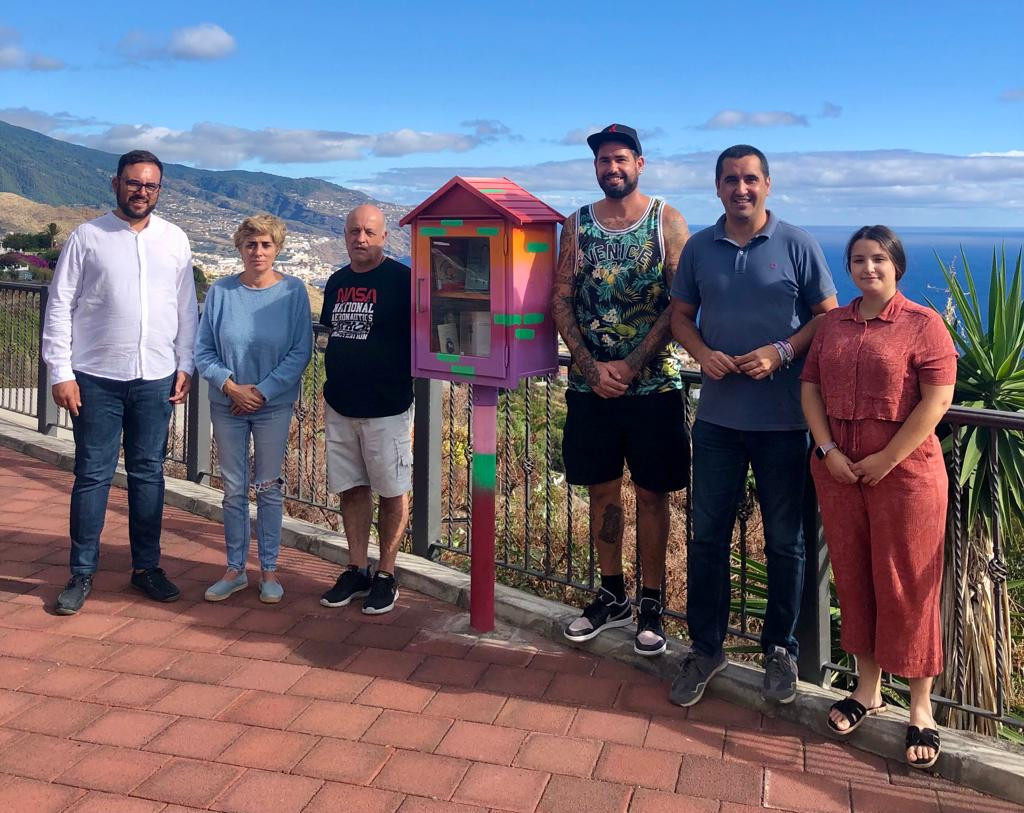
(878, 378)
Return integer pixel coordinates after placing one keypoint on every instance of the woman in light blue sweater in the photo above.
(253, 344)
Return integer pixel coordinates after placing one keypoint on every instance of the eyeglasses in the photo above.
(138, 186)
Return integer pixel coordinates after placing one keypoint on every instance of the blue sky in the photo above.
(910, 113)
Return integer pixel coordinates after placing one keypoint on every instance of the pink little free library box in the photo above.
(483, 259)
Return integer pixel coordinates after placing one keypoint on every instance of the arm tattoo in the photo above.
(611, 525)
(562, 312)
(676, 233)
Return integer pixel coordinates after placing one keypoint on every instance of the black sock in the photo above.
(616, 585)
(651, 592)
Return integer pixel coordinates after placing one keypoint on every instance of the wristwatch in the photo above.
(824, 449)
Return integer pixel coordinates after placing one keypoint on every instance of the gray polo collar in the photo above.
(766, 232)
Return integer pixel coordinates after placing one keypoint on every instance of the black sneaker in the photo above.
(155, 584)
(693, 677)
(383, 593)
(70, 601)
(650, 635)
(779, 676)
(352, 583)
(603, 613)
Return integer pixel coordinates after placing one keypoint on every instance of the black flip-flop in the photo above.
(853, 711)
(929, 738)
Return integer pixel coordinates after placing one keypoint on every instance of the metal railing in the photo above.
(542, 537)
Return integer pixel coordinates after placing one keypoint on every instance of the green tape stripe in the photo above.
(433, 231)
(525, 333)
(494, 191)
(448, 358)
(451, 222)
(533, 318)
(508, 319)
(484, 469)
(538, 248)
(487, 231)
(463, 369)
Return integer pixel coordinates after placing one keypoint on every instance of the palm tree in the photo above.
(51, 231)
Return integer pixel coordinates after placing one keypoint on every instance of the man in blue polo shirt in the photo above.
(757, 284)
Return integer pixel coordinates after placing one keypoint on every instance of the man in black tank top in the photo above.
(625, 404)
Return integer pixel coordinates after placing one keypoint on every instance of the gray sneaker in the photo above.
(73, 596)
(694, 675)
(779, 676)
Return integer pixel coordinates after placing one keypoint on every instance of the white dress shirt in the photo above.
(122, 303)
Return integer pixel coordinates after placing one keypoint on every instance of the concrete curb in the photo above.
(969, 761)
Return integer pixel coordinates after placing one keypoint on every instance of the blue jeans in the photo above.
(268, 428)
(141, 410)
(720, 460)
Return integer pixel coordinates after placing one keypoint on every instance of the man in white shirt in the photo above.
(117, 341)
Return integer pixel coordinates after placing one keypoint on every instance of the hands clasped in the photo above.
(758, 363)
(245, 398)
(870, 470)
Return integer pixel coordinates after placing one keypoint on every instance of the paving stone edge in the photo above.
(966, 760)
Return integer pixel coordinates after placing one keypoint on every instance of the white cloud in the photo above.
(11, 56)
(1013, 95)
(579, 134)
(735, 119)
(44, 122)
(40, 62)
(205, 41)
(15, 57)
(830, 111)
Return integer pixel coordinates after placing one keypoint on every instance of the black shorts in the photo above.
(648, 432)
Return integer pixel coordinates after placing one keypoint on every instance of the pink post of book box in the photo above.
(483, 257)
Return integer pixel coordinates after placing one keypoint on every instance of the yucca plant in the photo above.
(990, 375)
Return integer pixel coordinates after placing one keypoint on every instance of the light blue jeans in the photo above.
(268, 428)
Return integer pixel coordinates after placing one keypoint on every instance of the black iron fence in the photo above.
(543, 541)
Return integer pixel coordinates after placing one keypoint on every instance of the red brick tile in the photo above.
(396, 694)
(970, 802)
(32, 796)
(157, 611)
(482, 743)
(649, 698)
(141, 660)
(685, 737)
(145, 631)
(465, 704)
(718, 712)
(422, 774)
(328, 684)
(381, 637)
(647, 767)
(612, 726)
(197, 700)
(335, 796)
(514, 681)
(806, 792)
(764, 749)
(188, 782)
(583, 690)
(532, 715)
(449, 671)
(329, 630)
(344, 720)
(203, 667)
(98, 802)
(323, 654)
(195, 738)
(203, 639)
(69, 681)
(28, 644)
(656, 801)
(565, 661)
(418, 804)
(266, 676)
(265, 709)
(56, 716)
(269, 622)
(344, 761)
(77, 651)
(842, 761)
(267, 749)
(567, 794)
(40, 756)
(449, 644)
(133, 691)
(725, 781)
(259, 791)
(91, 625)
(902, 774)
(876, 798)
(385, 663)
(116, 770)
(210, 614)
(629, 675)
(506, 653)
(261, 646)
(13, 703)
(563, 755)
(129, 729)
(516, 789)
(411, 731)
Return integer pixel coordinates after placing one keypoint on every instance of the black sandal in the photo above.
(929, 738)
(853, 711)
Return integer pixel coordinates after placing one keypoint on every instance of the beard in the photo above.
(617, 192)
(124, 204)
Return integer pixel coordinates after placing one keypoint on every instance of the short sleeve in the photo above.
(935, 356)
(684, 283)
(811, 372)
(816, 283)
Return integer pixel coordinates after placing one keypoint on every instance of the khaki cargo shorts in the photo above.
(374, 452)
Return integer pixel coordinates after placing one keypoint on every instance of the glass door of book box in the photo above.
(466, 264)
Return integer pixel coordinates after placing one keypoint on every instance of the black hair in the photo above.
(887, 239)
(138, 157)
(739, 151)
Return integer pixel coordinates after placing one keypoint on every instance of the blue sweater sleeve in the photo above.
(288, 371)
(207, 358)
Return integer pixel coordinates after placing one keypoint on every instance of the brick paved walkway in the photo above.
(133, 705)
